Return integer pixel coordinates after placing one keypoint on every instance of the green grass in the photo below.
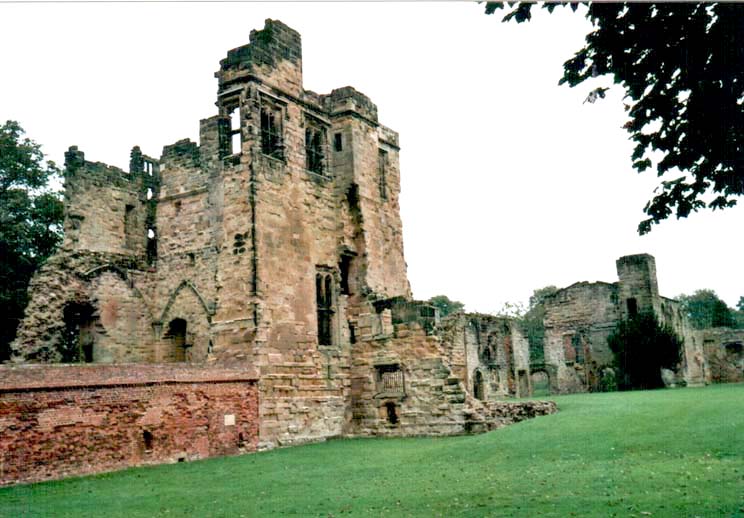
(671, 453)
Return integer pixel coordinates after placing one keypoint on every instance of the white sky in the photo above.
(509, 182)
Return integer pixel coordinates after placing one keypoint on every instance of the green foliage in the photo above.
(682, 68)
(533, 323)
(705, 309)
(641, 348)
(740, 304)
(664, 454)
(30, 223)
(445, 305)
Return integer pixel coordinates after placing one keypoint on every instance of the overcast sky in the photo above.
(509, 182)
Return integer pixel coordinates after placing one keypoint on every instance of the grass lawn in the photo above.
(671, 453)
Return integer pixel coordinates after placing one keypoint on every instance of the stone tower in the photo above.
(638, 288)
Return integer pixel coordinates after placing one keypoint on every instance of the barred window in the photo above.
(324, 302)
(271, 132)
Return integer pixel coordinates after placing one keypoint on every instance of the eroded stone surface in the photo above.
(274, 247)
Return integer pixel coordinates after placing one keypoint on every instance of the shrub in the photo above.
(642, 347)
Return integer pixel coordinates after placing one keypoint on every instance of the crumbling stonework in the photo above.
(578, 319)
(724, 352)
(80, 419)
(274, 247)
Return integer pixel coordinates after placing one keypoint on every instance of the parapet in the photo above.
(636, 260)
(276, 42)
(348, 100)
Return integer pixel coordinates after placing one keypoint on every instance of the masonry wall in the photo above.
(429, 401)
(68, 420)
(724, 354)
(104, 207)
(693, 369)
(578, 320)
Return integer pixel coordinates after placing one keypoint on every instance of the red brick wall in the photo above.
(62, 420)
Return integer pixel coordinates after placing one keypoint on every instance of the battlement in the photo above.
(275, 44)
(347, 99)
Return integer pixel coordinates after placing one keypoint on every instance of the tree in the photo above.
(30, 223)
(445, 305)
(641, 348)
(705, 309)
(740, 304)
(682, 68)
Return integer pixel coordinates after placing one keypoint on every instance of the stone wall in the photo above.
(724, 352)
(71, 420)
(490, 354)
(274, 244)
(578, 320)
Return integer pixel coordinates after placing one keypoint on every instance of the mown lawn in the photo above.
(670, 453)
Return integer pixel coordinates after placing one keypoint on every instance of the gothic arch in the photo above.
(190, 285)
(123, 275)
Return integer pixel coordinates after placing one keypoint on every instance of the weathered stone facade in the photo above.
(79, 419)
(273, 246)
(578, 319)
(724, 352)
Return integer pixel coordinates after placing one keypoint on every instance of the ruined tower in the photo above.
(638, 288)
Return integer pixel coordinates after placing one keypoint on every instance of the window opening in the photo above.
(345, 267)
(130, 227)
(392, 412)
(338, 143)
(478, 386)
(352, 333)
(147, 440)
(234, 132)
(314, 150)
(632, 307)
(390, 379)
(152, 246)
(578, 345)
(324, 301)
(271, 132)
(235, 147)
(382, 172)
(235, 119)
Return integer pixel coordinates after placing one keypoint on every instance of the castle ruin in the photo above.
(250, 291)
(246, 292)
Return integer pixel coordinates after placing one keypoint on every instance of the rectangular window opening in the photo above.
(324, 303)
(632, 304)
(271, 132)
(390, 379)
(130, 227)
(345, 267)
(382, 173)
(235, 119)
(338, 143)
(235, 142)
